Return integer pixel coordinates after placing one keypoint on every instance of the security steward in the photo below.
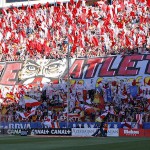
(105, 129)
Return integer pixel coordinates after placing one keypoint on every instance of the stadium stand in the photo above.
(46, 31)
(35, 32)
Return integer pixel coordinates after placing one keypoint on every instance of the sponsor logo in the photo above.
(13, 132)
(131, 132)
(39, 132)
(60, 132)
(51, 132)
(19, 126)
(83, 131)
(24, 133)
(113, 132)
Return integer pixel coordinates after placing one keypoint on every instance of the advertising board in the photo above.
(83, 132)
(147, 133)
(131, 132)
(113, 132)
(62, 131)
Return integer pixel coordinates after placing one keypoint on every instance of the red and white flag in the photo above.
(126, 125)
(30, 102)
(102, 116)
(139, 119)
(27, 114)
(48, 122)
(55, 124)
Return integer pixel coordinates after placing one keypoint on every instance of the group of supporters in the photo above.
(46, 31)
(112, 100)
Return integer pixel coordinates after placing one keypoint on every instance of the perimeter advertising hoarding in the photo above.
(78, 132)
(48, 131)
(113, 132)
(59, 131)
(132, 132)
(147, 133)
(83, 132)
(15, 132)
(87, 132)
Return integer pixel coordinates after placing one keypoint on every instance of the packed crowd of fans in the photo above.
(44, 31)
(85, 102)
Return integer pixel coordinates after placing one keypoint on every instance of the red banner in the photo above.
(131, 132)
(147, 133)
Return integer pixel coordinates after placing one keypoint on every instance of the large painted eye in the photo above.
(53, 68)
(31, 68)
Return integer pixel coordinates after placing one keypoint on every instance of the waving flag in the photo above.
(48, 122)
(30, 102)
(27, 114)
(139, 119)
(102, 116)
(126, 125)
(10, 96)
(108, 94)
(134, 90)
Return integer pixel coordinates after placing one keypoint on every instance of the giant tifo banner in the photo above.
(45, 70)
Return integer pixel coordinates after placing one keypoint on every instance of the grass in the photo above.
(61, 143)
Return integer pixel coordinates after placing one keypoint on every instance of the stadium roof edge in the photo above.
(19, 4)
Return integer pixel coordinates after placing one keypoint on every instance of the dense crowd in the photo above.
(85, 101)
(46, 31)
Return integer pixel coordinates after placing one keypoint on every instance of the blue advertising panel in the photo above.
(39, 125)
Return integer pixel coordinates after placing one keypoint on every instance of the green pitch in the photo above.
(68, 143)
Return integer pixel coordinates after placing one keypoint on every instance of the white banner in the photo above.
(83, 132)
(1, 3)
(113, 132)
(8, 3)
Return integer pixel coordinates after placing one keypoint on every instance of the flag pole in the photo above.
(68, 84)
(3, 3)
(28, 2)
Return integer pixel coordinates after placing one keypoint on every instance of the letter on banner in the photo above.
(92, 66)
(77, 68)
(128, 65)
(105, 69)
(10, 74)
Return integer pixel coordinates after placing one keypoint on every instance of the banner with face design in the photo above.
(42, 70)
(95, 70)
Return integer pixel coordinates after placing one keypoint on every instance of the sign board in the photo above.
(131, 132)
(113, 132)
(60, 131)
(83, 132)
